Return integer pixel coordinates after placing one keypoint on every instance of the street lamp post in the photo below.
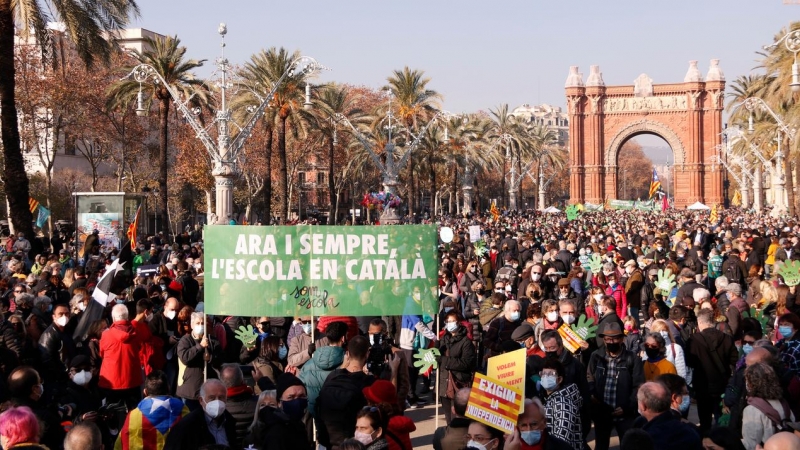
(225, 151)
(792, 42)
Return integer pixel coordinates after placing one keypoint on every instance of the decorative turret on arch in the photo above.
(687, 115)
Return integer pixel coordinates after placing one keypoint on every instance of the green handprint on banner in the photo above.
(790, 271)
(426, 358)
(247, 335)
(666, 281)
(585, 328)
(596, 264)
(757, 314)
(572, 212)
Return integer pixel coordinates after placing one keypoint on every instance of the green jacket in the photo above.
(316, 370)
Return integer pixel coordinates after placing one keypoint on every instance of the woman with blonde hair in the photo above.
(674, 353)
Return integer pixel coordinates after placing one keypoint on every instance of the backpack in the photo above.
(734, 273)
(779, 423)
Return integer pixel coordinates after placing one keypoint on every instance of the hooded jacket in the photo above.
(317, 369)
(339, 401)
(398, 432)
(119, 348)
(712, 354)
(281, 433)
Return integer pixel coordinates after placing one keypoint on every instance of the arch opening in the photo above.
(638, 155)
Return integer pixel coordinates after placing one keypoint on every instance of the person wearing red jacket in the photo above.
(121, 371)
(151, 353)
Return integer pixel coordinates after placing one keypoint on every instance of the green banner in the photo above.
(320, 270)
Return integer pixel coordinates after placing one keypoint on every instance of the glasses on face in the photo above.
(548, 372)
(749, 342)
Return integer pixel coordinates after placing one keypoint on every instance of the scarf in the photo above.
(238, 390)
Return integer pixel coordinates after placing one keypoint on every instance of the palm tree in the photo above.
(413, 102)
(85, 24)
(266, 68)
(329, 102)
(166, 56)
(504, 124)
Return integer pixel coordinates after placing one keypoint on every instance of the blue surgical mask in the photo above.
(515, 316)
(531, 437)
(448, 309)
(686, 402)
(282, 352)
(785, 331)
(746, 349)
(451, 326)
(549, 382)
(307, 328)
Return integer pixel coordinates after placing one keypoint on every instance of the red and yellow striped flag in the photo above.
(495, 212)
(133, 228)
(32, 204)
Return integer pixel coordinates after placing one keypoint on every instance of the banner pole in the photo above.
(205, 335)
(436, 389)
(313, 422)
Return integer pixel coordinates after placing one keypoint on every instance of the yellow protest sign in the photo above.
(572, 341)
(494, 404)
(509, 369)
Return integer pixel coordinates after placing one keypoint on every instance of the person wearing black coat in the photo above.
(667, 431)
(711, 353)
(241, 401)
(57, 347)
(194, 430)
(458, 360)
(192, 351)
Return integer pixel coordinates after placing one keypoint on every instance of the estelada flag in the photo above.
(495, 212)
(134, 227)
(147, 426)
(32, 204)
(655, 184)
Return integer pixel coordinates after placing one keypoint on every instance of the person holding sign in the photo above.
(458, 361)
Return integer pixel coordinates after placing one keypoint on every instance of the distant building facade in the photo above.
(546, 115)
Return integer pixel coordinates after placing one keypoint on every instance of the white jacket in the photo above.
(756, 426)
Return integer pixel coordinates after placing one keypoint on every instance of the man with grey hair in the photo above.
(735, 310)
(658, 421)
(84, 436)
(701, 295)
(720, 292)
(241, 401)
(198, 351)
(501, 328)
(121, 370)
(211, 424)
(451, 436)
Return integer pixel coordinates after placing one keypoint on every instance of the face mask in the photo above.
(686, 402)
(552, 316)
(451, 326)
(473, 269)
(785, 330)
(500, 291)
(629, 270)
(306, 328)
(536, 277)
(215, 408)
(82, 378)
(659, 248)
(198, 330)
(553, 278)
(569, 319)
(448, 309)
(82, 306)
(746, 349)
(515, 266)
(551, 355)
(163, 287)
(282, 352)
(614, 347)
(169, 314)
(612, 283)
(62, 321)
(531, 437)
(295, 409)
(119, 301)
(515, 316)
(548, 382)
(364, 438)
(597, 297)
(652, 353)
(476, 445)
(149, 317)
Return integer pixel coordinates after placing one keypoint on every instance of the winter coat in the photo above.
(277, 432)
(563, 411)
(458, 357)
(340, 399)
(56, 349)
(711, 354)
(633, 288)
(668, 432)
(119, 349)
(298, 349)
(618, 292)
(151, 352)
(398, 433)
(317, 369)
(191, 355)
(757, 426)
(192, 432)
(630, 377)
(499, 331)
(241, 406)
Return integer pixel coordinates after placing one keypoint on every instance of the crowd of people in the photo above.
(709, 361)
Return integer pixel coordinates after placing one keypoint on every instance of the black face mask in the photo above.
(614, 347)
(652, 353)
(551, 355)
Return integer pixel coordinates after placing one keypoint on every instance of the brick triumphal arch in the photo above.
(687, 115)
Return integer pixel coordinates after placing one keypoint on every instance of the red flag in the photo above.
(664, 203)
(133, 228)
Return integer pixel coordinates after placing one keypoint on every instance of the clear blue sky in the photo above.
(479, 54)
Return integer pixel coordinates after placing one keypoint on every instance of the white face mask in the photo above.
(552, 316)
(62, 321)
(597, 297)
(199, 330)
(536, 277)
(169, 314)
(215, 408)
(82, 378)
(82, 306)
(476, 445)
(569, 319)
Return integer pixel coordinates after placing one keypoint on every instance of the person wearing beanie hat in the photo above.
(283, 428)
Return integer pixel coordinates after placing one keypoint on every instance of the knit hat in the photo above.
(284, 382)
(381, 391)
